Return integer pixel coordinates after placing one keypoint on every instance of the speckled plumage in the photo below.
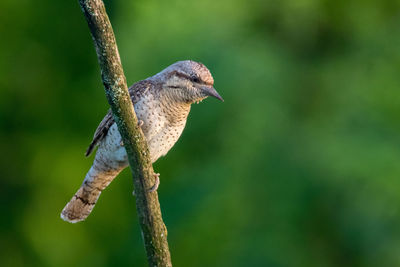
(162, 103)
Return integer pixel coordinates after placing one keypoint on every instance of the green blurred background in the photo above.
(298, 167)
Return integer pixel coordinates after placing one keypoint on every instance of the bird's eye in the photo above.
(196, 79)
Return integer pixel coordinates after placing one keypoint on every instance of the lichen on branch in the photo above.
(147, 204)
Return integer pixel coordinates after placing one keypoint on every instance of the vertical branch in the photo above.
(149, 213)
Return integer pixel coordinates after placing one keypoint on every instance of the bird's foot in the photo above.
(156, 184)
(154, 187)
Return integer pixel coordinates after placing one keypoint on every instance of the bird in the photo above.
(162, 103)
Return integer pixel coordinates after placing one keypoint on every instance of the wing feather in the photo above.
(136, 91)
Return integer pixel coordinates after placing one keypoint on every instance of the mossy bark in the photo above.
(147, 204)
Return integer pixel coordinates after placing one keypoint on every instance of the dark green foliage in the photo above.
(298, 167)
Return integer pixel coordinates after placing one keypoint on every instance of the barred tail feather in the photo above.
(80, 206)
(82, 203)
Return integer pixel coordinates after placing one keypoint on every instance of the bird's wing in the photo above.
(136, 91)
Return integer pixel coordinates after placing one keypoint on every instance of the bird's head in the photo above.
(188, 81)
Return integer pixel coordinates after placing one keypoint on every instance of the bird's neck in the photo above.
(175, 110)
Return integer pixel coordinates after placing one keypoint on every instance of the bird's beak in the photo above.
(210, 91)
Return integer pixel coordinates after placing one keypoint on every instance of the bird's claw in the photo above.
(154, 187)
(156, 184)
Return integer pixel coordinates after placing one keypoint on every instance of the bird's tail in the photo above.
(82, 203)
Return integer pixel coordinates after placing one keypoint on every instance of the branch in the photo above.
(149, 213)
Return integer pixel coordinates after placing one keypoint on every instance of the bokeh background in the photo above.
(298, 167)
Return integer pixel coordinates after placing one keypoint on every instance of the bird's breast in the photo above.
(148, 110)
(160, 129)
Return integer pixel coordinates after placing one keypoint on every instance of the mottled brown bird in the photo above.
(162, 104)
